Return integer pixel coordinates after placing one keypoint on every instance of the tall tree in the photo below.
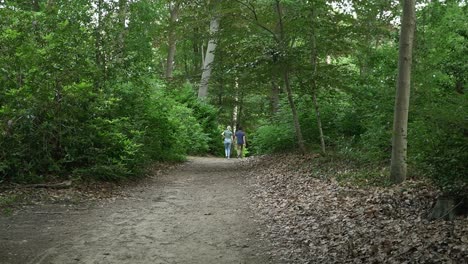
(286, 79)
(372, 26)
(122, 20)
(400, 122)
(209, 55)
(314, 62)
(173, 11)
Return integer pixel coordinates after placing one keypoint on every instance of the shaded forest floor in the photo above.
(275, 209)
(314, 218)
(197, 212)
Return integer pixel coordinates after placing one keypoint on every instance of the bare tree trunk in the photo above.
(274, 99)
(174, 11)
(99, 47)
(314, 62)
(209, 58)
(285, 71)
(400, 122)
(202, 51)
(35, 6)
(235, 115)
(319, 122)
(240, 116)
(235, 110)
(122, 15)
(297, 125)
(198, 52)
(459, 86)
(443, 209)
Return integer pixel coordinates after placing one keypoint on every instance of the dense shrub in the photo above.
(206, 119)
(276, 134)
(110, 135)
(439, 142)
(79, 97)
(271, 138)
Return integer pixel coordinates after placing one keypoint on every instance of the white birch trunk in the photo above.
(209, 58)
(173, 9)
(235, 111)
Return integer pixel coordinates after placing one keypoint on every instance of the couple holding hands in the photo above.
(229, 137)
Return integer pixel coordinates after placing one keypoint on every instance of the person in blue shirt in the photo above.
(227, 134)
(240, 140)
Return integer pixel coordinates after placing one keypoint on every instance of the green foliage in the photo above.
(204, 132)
(79, 98)
(80, 94)
(108, 136)
(438, 138)
(356, 91)
(270, 138)
(277, 133)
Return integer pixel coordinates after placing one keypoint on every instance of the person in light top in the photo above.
(227, 135)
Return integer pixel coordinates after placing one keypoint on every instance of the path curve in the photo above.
(197, 213)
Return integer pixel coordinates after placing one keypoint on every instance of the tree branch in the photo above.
(254, 19)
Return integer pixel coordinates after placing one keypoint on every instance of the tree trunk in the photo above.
(240, 112)
(122, 15)
(443, 209)
(209, 58)
(235, 109)
(459, 86)
(297, 125)
(314, 62)
(174, 10)
(100, 58)
(400, 122)
(274, 99)
(285, 72)
(319, 122)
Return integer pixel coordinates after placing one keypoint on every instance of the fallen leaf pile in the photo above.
(311, 218)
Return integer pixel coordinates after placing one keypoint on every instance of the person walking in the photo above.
(227, 134)
(240, 140)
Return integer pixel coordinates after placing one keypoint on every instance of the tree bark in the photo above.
(285, 73)
(209, 58)
(122, 16)
(400, 123)
(240, 112)
(174, 11)
(297, 125)
(443, 209)
(319, 122)
(235, 109)
(314, 62)
(99, 46)
(274, 99)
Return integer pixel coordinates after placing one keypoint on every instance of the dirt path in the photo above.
(197, 213)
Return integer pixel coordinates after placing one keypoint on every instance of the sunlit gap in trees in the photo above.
(347, 7)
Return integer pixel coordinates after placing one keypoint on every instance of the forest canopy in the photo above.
(102, 88)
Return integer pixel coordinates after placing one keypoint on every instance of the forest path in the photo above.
(196, 213)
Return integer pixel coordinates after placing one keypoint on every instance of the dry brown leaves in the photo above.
(317, 220)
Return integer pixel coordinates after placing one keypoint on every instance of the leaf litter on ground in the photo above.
(81, 194)
(313, 218)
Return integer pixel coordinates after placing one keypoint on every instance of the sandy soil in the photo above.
(196, 213)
